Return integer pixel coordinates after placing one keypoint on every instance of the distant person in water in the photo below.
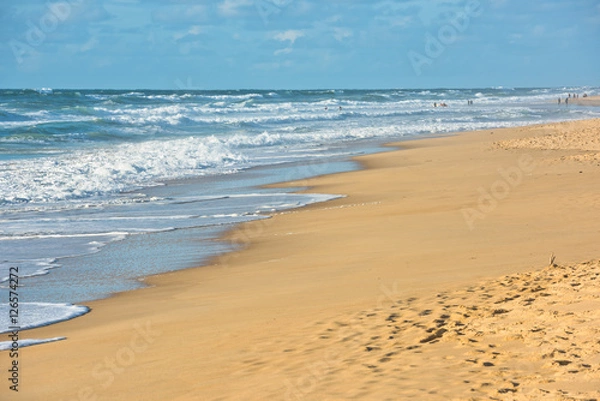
(558, 100)
(567, 100)
(434, 104)
(443, 104)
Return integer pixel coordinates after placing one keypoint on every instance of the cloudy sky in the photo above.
(270, 44)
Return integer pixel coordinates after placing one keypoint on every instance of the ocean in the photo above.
(99, 188)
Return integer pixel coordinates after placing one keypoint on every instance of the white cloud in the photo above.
(333, 19)
(396, 21)
(289, 35)
(302, 7)
(193, 31)
(231, 8)
(279, 52)
(342, 33)
(430, 12)
(515, 37)
(180, 14)
(89, 45)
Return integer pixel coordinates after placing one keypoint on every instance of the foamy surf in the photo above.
(8, 345)
(37, 314)
(99, 188)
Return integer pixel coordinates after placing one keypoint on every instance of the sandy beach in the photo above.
(587, 101)
(455, 268)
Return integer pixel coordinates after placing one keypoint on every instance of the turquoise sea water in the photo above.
(99, 188)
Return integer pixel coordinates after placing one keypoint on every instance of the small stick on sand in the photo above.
(552, 257)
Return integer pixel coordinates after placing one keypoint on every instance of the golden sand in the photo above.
(431, 280)
(587, 101)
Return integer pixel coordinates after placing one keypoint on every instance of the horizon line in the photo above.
(304, 89)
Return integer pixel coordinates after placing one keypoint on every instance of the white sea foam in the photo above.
(7, 345)
(234, 97)
(57, 208)
(95, 172)
(36, 314)
(30, 267)
(44, 91)
(31, 123)
(88, 173)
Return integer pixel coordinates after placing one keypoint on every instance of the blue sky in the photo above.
(296, 44)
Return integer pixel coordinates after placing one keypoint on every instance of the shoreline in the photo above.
(586, 101)
(290, 277)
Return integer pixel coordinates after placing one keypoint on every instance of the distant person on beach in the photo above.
(558, 100)
(567, 100)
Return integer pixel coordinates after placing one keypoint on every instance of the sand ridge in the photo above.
(584, 141)
(525, 336)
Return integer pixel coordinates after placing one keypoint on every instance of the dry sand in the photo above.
(430, 280)
(587, 101)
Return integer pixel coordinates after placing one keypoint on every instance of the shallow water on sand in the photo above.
(100, 188)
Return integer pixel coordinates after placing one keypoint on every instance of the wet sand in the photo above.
(432, 279)
(586, 101)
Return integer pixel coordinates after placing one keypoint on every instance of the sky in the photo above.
(298, 44)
